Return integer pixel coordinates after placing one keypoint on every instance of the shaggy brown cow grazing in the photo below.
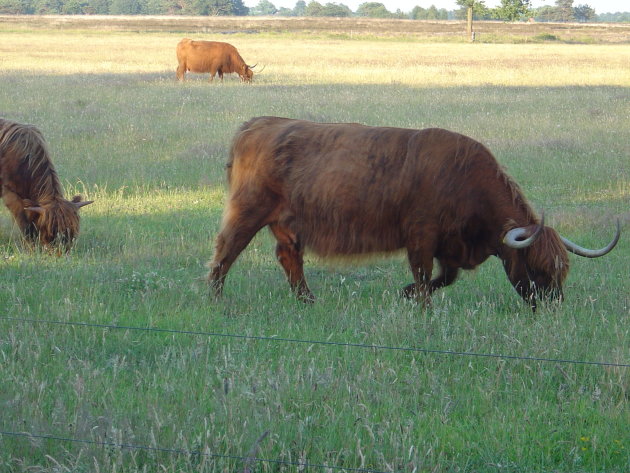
(31, 189)
(349, 189)
(213, 57)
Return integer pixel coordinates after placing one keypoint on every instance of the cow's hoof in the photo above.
(409, 291)
(306, 297)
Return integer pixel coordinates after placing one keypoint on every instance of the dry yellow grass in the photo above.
(299, 60)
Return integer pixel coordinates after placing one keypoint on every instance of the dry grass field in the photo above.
(294, 59)
(355, 28)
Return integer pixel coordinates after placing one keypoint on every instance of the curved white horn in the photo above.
(517, 237)
(587, 253)
(78, 205)
(39, 210)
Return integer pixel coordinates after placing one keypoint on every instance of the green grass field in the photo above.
(151, 153)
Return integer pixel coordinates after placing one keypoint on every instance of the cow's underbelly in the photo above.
(349, 235)
(198, 66)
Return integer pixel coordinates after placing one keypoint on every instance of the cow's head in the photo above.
(246, 73)
(537, 263)
(56, 222)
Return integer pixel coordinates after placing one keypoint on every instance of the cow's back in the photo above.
(206, 56)
(353, 189)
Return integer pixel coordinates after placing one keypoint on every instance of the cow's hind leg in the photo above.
(290, 254)
(235, 235)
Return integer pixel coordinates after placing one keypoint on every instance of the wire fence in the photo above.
(177, 451)
(253, 459)
(317, 342)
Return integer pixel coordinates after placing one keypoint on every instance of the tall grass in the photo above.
(151, 153)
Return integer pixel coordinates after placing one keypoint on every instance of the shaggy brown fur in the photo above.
(349, 189)
(31, 189)
(210, 56)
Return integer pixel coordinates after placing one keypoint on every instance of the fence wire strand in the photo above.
(317, 342)
(178, 451)
(247, 459)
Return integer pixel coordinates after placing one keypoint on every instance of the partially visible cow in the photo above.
(213, 57)
(31, 189)
(349, 189)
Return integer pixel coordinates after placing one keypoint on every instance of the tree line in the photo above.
(508, 10)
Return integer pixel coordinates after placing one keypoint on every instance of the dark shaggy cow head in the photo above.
(537, 262)
(55, 223)
(31, 189)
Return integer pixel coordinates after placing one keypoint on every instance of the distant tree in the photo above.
(336, 9)
(564, 11)
(239, 8)
(584, 13)
(480, 11)
(14, 7)
(264, 7)
(97, 7)
(158, 7)
(373, 10)
(545, 13)
(300, 8)
(471, 6)
(284, 11)
(224, 7)
(618, 17)
(125, 7)
(313, 9)
(74, 7)
(196, 7)
(513, 10)
(399, 14)
(47, 7)
(433, 13)
(330, 9)
(418, 13)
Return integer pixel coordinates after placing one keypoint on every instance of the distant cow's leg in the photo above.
(181, 72)
(290, 255)
(231, 241)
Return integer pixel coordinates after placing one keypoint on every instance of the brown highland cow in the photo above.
(31, 189)
(214, 57)
(351, 190)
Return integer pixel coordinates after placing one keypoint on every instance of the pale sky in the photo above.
(600, 6)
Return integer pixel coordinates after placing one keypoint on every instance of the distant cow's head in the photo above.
(55, 223)
(246, 73)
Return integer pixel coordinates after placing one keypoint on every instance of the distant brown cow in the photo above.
(213, 57)
(349, 189)
(31, 189)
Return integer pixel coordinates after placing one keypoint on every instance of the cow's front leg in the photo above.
(421, 264)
